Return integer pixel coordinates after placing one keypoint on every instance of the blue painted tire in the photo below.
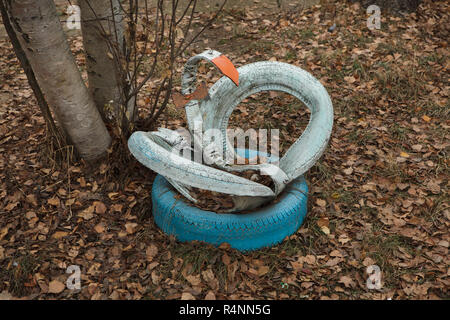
(263, 227)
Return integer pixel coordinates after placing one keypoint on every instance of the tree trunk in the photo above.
(102, 25)
(41, 36)
(21, 56)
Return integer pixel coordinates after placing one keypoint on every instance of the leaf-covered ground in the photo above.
(378, 196)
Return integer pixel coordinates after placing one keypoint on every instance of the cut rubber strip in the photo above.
(227, 68)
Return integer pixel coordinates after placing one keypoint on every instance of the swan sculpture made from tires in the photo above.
(161, 150)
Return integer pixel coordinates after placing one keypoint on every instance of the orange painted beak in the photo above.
(227, 68)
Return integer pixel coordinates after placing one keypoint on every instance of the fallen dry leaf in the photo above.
(131, 227)
(54, 201)
(187, 296)
(100, 228)
(325, 230)
(3, 232)
(87, 214)
(100, 207)
(347, 281)
(426, 118)
(321, 202)
(404, 154)
(263, 270)
(56, 286)
(210, 296)
(151, 252)
(59, 234)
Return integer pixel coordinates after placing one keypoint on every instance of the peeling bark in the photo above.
(41, 36)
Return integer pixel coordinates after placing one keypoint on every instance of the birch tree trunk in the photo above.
(41, 36)
(23, 60)
(102, 26)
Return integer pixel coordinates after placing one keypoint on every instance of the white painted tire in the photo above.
(275, 76)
